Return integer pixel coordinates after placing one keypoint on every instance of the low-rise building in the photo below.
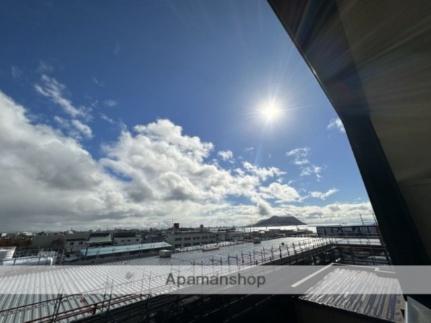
(74, 242)
(100, 239)
(153, 236)
(180, 238)
(121, 238)
(229, 235)
(48, 241)
(348, 231)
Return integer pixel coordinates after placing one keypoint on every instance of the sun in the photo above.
(270, 112)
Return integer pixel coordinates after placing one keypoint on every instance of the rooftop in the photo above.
(96, 251)
(384, 306)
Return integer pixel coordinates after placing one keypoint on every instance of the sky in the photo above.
(144, 113)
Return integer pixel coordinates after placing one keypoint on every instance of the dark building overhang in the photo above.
(373, 60)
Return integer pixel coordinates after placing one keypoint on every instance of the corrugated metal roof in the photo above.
(6, 253)
(97, 285)
(382, 306)
(30, 260)
(98, 251)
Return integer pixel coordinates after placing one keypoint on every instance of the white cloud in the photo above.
(74, 128)
(52, 89)
(146, 177)
(282, 193)
(335, 213)
(164, 164)
(82, 128)
(47, 178)
(323, 195)
(262, 172)
(311, 170)
(336, 124)
(106, 118)
(164, 132)
(301, 159)
(300, 155)
(225, 155)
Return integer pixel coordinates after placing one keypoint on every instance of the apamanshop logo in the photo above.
(216, 280)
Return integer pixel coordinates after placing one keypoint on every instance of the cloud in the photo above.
(310, 169)
(110, 103)
(145, 177)
(164, 132)
(323, 195)
(106, 118)
(249, 149)
(82, 128)
(48, 178)
(97, 81)
(54, 90)
(225, 155)
(282, 193)
(300, 158)
(336, 124)
(262, 172)
(16, 72)
(263, 207)
(74, 128)
(335, 213)
(300, 155)
(44, 68)
(164, 164)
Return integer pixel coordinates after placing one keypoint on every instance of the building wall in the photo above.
(180, 239)
(47, 241)
(120, 241)
(74, 246)
(229, 235)
(348, 231)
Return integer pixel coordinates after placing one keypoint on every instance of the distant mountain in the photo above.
(278, 221)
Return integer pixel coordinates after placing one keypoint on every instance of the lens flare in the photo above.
(270, 111)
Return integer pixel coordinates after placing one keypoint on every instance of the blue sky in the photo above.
(89, 71)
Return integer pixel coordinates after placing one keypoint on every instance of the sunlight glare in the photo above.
(270, 111)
